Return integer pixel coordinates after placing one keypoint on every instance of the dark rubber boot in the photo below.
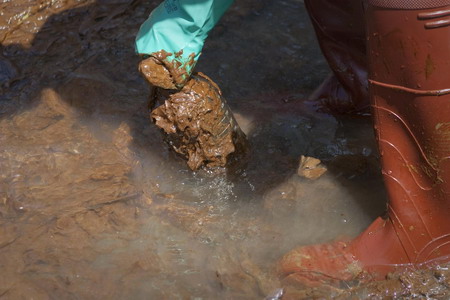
(339, 27)
(409, 59)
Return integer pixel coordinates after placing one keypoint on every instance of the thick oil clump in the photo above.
(196, 120)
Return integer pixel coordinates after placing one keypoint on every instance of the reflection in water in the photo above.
(94, 206)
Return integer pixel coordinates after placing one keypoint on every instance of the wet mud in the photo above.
(195, 118)
(94, 206)
(431, 283)
(156, 73)
(160, 71)
(199, 126)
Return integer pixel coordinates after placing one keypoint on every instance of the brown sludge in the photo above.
(166, 73)
(198, 124)
(156, 73)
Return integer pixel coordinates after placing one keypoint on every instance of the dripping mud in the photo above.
(198, 124)
(92, 203)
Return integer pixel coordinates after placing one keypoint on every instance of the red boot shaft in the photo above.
(409, 87)
(409, 62)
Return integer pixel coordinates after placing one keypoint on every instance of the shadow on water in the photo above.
(90, 195)
(92, 41)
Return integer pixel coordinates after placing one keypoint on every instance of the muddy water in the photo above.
(94, 206)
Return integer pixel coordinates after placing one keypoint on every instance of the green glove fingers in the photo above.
(175, 32)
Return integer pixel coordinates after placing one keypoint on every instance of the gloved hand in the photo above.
(173, 37)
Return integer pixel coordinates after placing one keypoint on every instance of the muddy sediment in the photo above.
(192, 113)
(199, 126)
(428, 283)
(163, 69)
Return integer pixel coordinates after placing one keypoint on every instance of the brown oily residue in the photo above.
(156, 73)
(165, 73)
(198, 125)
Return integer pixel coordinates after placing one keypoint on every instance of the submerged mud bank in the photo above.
(429, 283)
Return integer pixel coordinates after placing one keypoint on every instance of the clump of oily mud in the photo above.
(198, 124)
(166, 73)
(196, 121)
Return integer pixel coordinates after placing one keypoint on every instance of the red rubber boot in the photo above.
(409, 60)
(339, 27)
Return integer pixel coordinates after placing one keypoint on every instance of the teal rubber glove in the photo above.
(173, 36)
